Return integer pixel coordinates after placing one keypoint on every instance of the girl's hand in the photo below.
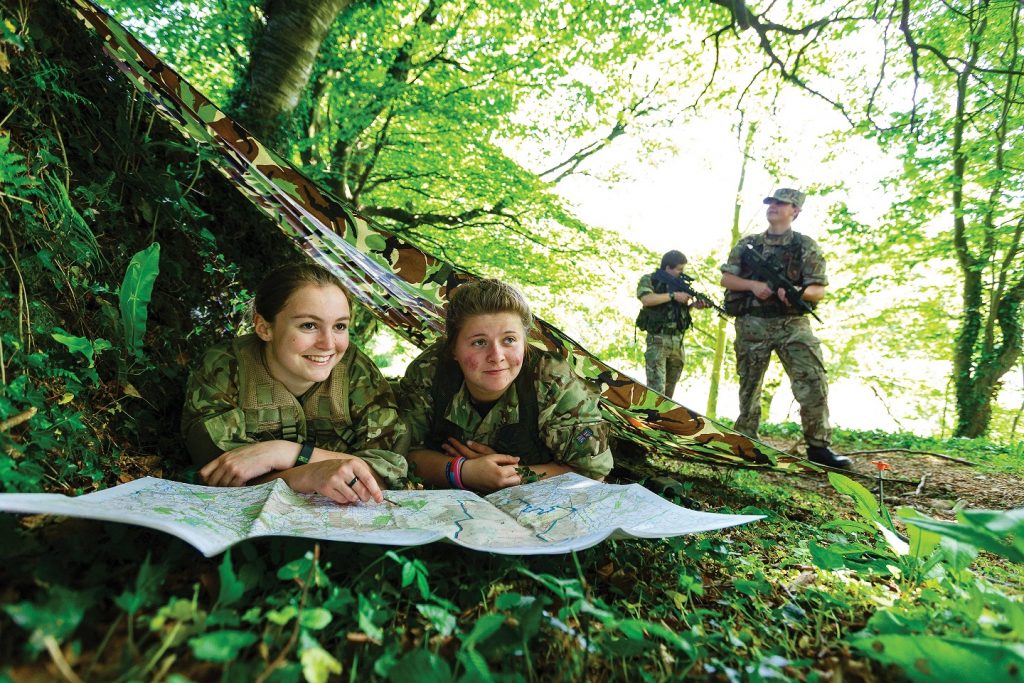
(470, 449)
(240, 465)
(343, 480)
(490, 472)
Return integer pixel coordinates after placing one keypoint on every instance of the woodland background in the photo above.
(457, 125)
(454, 124)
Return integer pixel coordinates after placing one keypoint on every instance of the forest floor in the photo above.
(933, 483)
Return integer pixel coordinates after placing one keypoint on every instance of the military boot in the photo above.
(823, 455)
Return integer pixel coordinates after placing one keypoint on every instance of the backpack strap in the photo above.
(521, 439)
(446, 382)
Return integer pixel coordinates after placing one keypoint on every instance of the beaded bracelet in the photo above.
(457, 471)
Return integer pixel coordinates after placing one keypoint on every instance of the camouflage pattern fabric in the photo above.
(404, 287)
(800, 353)
(789, 196)
(790, 337)
(360, 418)
(664, 359)
(569, 419)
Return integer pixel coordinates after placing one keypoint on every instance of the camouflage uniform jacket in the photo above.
(569, 419)
(232, 401)
(800, 256)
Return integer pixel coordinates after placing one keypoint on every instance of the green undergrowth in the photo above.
(992, 456)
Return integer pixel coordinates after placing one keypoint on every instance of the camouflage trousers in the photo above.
(800, 352)
(664, 358)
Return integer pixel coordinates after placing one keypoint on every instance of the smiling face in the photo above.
(490, 348)
(307, 337)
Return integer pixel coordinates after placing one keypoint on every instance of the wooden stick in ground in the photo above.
(920, 487)
(12, 422)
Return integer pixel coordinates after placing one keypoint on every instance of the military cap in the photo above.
(788, 195)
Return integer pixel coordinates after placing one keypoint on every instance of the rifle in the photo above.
(687, 287)
(776, 279)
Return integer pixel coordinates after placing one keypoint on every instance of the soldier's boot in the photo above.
(823, 455)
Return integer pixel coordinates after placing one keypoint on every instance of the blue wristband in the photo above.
(304, 453)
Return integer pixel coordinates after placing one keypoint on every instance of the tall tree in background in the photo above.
(965, 161)
(720, 345)
(986, 182)
(283, 51)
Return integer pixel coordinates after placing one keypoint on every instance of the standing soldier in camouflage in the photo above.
(481, 403)
(295, 400)
(665, 317)
(766, 321)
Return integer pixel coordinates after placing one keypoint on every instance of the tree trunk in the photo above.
(979, 361)
(716, 367)
(280, 64)
(770, 386)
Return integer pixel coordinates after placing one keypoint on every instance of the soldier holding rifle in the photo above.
(774, 280)
(666, 297)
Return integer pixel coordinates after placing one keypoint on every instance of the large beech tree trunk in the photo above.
(281, 62)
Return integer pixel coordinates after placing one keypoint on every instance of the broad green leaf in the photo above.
(367, 611)
(957, 555)
(1013, 610)
(864, 501)
(221, 646)
(824, 558)
(484, 627)
(888, 622)
(922, 541)
(314, 618)
(567, 589)
(476, 666)
(441, 619)
(147, 582)
(81, 345)
(932, 658)
(1005, 525)
(317, 663)
(867, 507)
(231, 588)
(282, 616)
(134, 296)
(304, 569)
(420, 666)
(977, 531)
(57, 617)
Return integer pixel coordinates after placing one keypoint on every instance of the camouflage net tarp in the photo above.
(403, 286)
